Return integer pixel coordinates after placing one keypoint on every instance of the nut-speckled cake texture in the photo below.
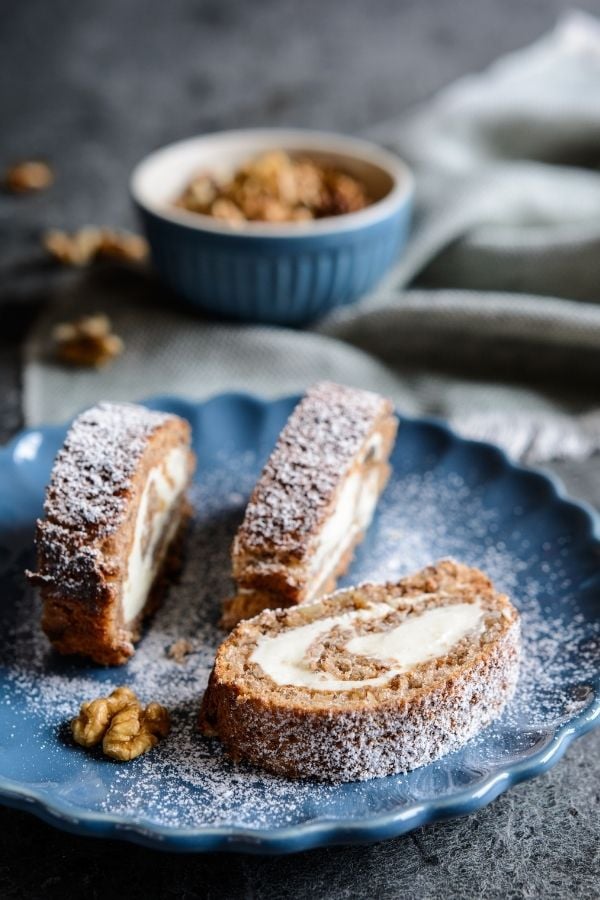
(371, 730)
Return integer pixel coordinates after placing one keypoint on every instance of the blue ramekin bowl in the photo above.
(284, 274)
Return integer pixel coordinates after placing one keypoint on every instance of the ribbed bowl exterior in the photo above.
(276, 280)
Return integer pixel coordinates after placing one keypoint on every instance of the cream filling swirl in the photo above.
(419, 638)
(353, 512)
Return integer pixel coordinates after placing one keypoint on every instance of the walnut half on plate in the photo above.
(121, 724)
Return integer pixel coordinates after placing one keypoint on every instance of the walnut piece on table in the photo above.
(28, 176)
(121, 724)
(87, 341)
(84, 246)
(77, 249)
(121, 245)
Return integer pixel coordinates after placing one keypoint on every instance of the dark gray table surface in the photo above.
(93, 87)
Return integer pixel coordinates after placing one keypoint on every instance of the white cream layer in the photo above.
(353, 513)
(416, 640)
(168, 481)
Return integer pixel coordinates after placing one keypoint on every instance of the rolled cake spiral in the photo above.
(369, 681)
(314, 500)
(114, 516)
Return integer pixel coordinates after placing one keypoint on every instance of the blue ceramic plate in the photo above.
(447, 496)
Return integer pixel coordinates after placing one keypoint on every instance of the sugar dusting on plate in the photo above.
(187, 782)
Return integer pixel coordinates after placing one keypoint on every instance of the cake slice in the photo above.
(114, 514)
(369, 681)
(313, 501)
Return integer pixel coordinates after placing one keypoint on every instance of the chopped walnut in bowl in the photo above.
(273, 225)
(275, 187)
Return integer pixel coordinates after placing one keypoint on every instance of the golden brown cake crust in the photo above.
(369, 731)
(84, 539)
(319, 448)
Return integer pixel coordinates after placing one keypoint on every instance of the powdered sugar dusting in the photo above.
(187, 782)
(94, 468)
(317, 445)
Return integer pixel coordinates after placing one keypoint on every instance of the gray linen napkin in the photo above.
(504, 269)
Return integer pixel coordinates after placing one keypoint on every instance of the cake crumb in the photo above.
(179, 650)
